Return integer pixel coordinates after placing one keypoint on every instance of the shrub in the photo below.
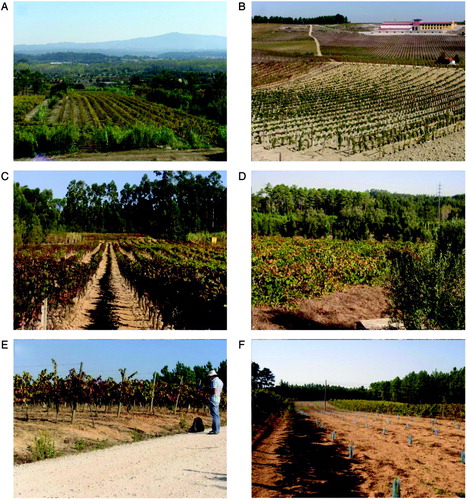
(206, 237)
(25, 143)
(427, 287)
(266, 403)
(195, 140)
(43, 448)
(451, 237)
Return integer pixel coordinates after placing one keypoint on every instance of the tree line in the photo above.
(315, 213)
(413, 388)
(332, 19)
(170, 206)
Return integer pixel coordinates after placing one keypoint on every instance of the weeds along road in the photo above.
(185, 465)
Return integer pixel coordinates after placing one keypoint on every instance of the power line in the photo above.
(439, 202)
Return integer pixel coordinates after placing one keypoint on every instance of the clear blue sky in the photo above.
(105, 357)
(58, 181)
(366, 12)
(48, 22)
(353, 363)
(408, 182)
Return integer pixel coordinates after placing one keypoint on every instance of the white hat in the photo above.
(212, 373)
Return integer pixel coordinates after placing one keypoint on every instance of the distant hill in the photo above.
(71, 57)
(147, 46)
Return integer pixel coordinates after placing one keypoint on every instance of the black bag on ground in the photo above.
(197, 426)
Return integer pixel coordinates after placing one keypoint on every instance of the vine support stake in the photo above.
(396, 488)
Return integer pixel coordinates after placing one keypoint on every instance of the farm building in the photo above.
(416, 26)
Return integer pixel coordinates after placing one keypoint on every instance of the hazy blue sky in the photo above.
(48, 22)
(58, 181)
(105, 357)
(365, 12)
(411, 182)
(353, 363)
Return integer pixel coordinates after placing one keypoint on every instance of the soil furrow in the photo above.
(109, 304)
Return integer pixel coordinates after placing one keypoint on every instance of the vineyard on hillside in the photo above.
(105, 121)
(359, 108)
(344, 44)
(177, 285)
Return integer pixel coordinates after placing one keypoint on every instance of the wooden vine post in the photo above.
(75, 402)
(178, 395)
(153, 390)
(123, 372)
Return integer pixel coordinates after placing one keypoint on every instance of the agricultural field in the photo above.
(345, 45)
(300, 283)
(307, 453)
(344, 111)
(367, 97)
(99, 121)
(80, 413)
(120, 282)
(287, 270)
(150, 254)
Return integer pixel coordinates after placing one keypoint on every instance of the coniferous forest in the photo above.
(309, 242)
(170, 206)
(351, 215)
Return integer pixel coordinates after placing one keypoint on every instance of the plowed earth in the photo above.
(109, 303)
(300, 459)
(338, 310)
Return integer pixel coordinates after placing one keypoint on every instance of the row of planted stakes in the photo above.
(396, 483)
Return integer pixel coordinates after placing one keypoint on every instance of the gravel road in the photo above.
(181, 466)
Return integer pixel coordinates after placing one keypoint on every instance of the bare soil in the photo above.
(182, 465)
(154, 154)
(108, 304)
(448, 148)
(97, 429)
(336, 311)
(300, 459)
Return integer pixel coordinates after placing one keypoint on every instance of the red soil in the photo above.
(299, 458)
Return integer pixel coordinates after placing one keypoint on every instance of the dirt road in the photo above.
(109, 304)
(185, 465)
(318, 47)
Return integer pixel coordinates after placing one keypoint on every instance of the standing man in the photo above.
(216, 386)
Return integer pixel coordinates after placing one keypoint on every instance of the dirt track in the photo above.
(154, 154)
(185, 465)
(109, 304)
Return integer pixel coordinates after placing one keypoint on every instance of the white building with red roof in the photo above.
(416, 26)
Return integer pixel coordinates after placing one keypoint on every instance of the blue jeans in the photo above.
(216, 418)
